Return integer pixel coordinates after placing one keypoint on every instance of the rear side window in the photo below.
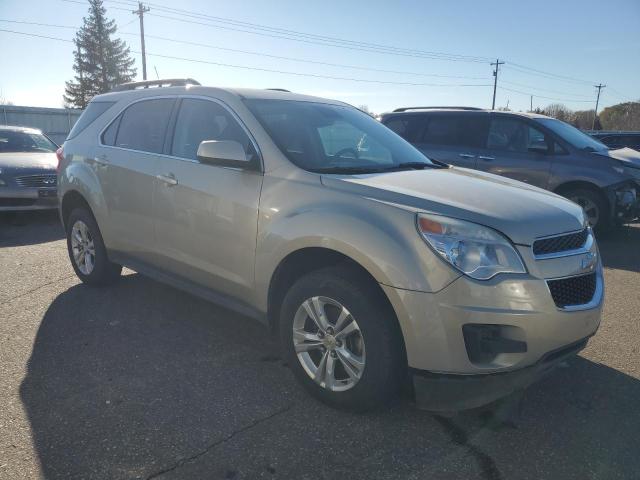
(93, 111)
(109, 135)
(200, 120)
(454, 130)
(143, 125)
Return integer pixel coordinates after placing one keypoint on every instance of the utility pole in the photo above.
(595, 114)
(495, 81)
(140, 12)
(531, 108)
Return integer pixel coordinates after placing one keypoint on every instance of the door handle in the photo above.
(466, 155)
(170, 179)
(485, 157)
(101, 160)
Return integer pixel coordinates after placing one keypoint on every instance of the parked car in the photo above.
(373, 264)
(27, 170)
(615, 140)
(531, 148)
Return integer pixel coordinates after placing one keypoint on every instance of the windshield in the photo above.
(19, 141)
(572, 135)
(334, 139)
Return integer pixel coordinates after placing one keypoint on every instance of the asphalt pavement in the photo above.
(139, 380)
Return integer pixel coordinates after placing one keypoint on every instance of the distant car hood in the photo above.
(626, 155)
(518, 210)
(28, 161)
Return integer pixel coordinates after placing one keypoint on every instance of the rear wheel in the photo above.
(341, 340)
(87, 252)
(594, 206)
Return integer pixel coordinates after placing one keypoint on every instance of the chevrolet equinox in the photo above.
(373, 264)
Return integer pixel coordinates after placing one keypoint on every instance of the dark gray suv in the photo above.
(531, 148)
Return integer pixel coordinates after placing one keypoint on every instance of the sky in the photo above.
(425, 52)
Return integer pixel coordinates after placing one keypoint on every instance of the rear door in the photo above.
(206, 216)
(127, 163)
(517, 149)
(452, 137)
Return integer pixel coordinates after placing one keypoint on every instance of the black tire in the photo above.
(103, 272)
(385, 368)
(582, 196)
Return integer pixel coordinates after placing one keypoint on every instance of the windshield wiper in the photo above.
(414, 165)
(347, 170)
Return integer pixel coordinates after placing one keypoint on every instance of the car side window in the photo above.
(454, 130)
(143, 125)
(407, 126)
(514, 135)
(200, 120)
(109, 135)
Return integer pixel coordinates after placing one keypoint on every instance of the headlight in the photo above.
(477, 251)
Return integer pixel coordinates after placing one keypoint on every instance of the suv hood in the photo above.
(518, 210)
(627, 156)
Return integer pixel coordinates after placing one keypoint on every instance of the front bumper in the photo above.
(520, 316)
(450, 393)
(14, 198)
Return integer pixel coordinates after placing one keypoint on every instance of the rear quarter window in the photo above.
(90, 114)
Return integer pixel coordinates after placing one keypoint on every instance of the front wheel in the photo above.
(87, 252)
(341, 341)
(594, 206)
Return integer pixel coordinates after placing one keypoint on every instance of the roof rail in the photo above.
(279, 90)
(169, 82)
(404, 109)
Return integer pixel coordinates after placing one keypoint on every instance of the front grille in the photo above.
(561, 243)
(40, 181)
(571, 291)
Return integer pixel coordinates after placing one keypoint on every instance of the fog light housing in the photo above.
(485, 342)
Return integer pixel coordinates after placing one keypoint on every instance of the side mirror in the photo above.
(224, 153)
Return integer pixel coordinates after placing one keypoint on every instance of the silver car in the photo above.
(27, 170)
(374, 265)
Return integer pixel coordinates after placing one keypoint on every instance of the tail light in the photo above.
(60, 155)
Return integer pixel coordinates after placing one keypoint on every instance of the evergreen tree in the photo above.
(100, 61)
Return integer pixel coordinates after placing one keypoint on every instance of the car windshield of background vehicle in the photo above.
(334, 139)
(17, 141)
(572, 135)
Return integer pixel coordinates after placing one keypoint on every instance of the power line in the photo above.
(262, 54)
(547, 98)
(285, 72)
(540, 73)
(308, 36)
(542, 89)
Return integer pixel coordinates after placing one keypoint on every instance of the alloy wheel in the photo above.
(82, 247)
(328, 343)
(591, 210)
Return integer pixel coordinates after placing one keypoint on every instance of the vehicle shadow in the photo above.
(139, 378)
(620, 248)
(29, 228)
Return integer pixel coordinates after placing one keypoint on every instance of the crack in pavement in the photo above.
(225, 439)
(36, 289)
(459, 436)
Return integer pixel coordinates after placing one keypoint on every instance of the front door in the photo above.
(516, 149)
(206, 216)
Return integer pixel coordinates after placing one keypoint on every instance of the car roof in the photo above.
(17, 128)
(243, 93)
(470, 111)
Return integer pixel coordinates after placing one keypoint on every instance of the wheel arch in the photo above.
(72, 199)
(305, 260)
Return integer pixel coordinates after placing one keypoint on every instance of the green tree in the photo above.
(623, 116)
(100, 61)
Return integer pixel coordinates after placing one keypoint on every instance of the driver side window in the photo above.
(200, 120)
(514, 135)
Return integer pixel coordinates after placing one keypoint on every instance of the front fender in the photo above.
(382, 238)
